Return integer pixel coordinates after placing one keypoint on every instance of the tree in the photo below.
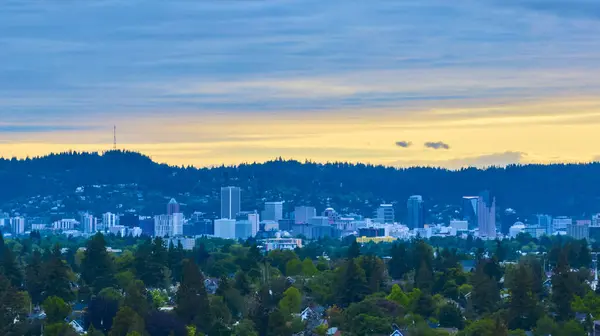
(175, 259)
(13, 307)
(56, 309)
(545, 326)
(308, 268)
(10, 268)
(563, 287)
(293, 267)
(450, 316)
(397, 295)
(102, 308)
(57, 277)
(523, 312)
(278, 325)
(34, 281)
(353, 250)
(192, 301)
(291, 301)
(398, 265)
(125, 322)
(352, 284)
(374, 271)
(486, 294)
(245, 328)
(97, 269)
(136, 297)
(59, 329)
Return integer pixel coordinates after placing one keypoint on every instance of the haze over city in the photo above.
(398, 83)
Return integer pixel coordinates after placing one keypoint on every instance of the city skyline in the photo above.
(390, 83)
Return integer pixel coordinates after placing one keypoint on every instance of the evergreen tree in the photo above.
(563, 287)
(353, 250)
(522, 308)
(57, 277)
(192, 300)
(175, 259)
(10, 267)
(13, 307)
(136, 298)
(398, 265)
(308, 268)
(127, 321)
(34, 280)
(56, 309)
(97, 268)
(486, 294)
(352, 284)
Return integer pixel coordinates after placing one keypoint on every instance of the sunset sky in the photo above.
(394, 82)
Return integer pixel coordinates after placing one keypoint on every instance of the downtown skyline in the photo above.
(384, 82)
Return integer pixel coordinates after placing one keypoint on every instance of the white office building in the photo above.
(459, 225)
(243, 229)
(17, 225)
(273, 211)
(109, 220)
(303, 213)
(545, 221)
(187, 244)
(385, 214)
(65, 224)
(168, 225)
(230, 202)
(225, 228)
(254, 219)
(561, 223)
(89, 223)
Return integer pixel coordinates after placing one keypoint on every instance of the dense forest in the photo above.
(128, 180)
(63, 285)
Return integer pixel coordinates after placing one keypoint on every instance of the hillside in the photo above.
(119, 180)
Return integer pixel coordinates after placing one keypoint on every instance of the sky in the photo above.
(400, 83)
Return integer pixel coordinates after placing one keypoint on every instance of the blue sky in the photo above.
(196, 74)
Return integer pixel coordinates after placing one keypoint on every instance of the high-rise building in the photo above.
(303, 213)
(486, 215)
(172, 207)
(17, 225)
(416, 214)
(230, 202)
(254, 219)
(109, 220)
(225, 228)
(561, 223)
(129, 220)
(168, 225)
(65, 224)
(243, 229)
(88, 223)
(273, 211)
(579, 230)
(385, 214)
(545, 222)
(469, 210)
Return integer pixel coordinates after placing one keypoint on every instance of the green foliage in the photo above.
(127, 321)
(308, 268)
(450, 316)
(291, 301)
(397, 295)
(59, 329)
(293, 267)
(245, 328)
(97, 269)
(56, 309)
(13, 307)
(352, 284)
(192, 301)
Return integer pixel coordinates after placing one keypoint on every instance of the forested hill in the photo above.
(130, 180)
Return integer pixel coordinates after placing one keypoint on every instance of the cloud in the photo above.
(437, 145)
(403, 144)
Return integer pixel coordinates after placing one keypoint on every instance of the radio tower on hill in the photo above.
(115, 137)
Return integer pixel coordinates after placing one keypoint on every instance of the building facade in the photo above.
(225, 228)
(385, 214)
(230, 202)
(273, 211)
(303, 214)
(486, 215)
(415, 213)
(17, 225)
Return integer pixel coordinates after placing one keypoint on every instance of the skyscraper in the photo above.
(168, 225)
(225, 228)
(469, 210)
(303, 213)
(89, 223)
(17, 225)
(109, 220)
(545, 221)
(273, 211)
(172, 207)
(416, 215)
(385, 214)
(230, 202)
(486, 215)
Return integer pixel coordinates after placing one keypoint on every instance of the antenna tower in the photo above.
(115, 137)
